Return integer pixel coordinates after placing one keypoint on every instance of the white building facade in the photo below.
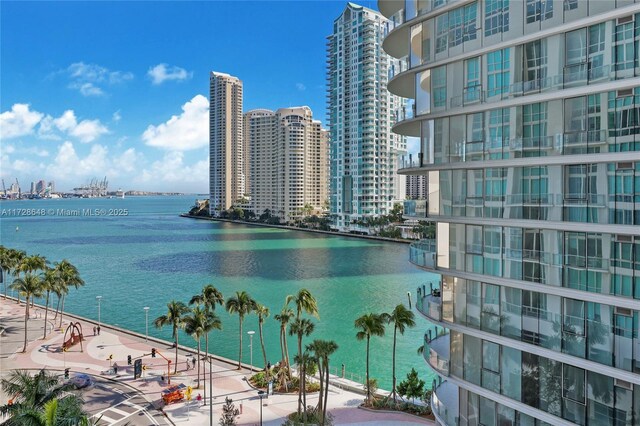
(288, 157)
(364, 152)
(529, 118)
(226, 145)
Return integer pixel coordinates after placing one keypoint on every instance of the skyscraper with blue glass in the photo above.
(528, 114)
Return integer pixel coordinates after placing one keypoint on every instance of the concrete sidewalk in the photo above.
(117, 345)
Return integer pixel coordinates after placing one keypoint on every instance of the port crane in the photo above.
(4, 188)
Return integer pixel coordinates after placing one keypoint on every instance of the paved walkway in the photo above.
(227, 380)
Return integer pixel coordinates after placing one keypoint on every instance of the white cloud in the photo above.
(116, 116)
(87, 78)
(85, 131)
(19, 121)
(187, 131)
(171, 169)
(67, 163)
(301, 87)
(163, 72)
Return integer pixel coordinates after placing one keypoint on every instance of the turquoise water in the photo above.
(152, 255)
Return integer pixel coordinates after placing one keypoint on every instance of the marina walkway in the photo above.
(137, 397)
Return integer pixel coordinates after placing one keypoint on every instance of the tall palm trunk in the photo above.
(321, 395)
(57, 308)
(26, 319)
(303, 388)
(393, 370)
(264, 352)
(240, 355)
(367, 383)
(198, 376)
(286, 352)
(61, 311)
(283, 364)
(175, 334)
(326, 389)
(300, 374)
(204, 366)
(46, 314)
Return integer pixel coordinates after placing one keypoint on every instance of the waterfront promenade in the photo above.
(138, 402)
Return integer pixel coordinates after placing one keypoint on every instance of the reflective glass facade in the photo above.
(528, 114)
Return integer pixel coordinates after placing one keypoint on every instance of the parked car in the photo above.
(80, 381)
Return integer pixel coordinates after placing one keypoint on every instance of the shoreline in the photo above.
(294, 228)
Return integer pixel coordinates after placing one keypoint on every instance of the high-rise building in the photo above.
(52, 187)
(33, 188)
(288, 153)
(416, 187)
(528, 114)
(40, 187)
(226, 149)
(364, 153)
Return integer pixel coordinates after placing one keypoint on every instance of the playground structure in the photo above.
(76, 336)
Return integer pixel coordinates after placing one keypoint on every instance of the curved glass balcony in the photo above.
(444, 403)
(423, 253)
(437, 349)
(430, 302)
(415, 208)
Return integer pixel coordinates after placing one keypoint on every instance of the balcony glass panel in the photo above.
(423, 253)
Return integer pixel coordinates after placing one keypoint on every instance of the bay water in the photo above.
(138, 251)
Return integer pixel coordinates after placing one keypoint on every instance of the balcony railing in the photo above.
(437, 349)
(415, 208)
(444, 403)
(423, 253)
(430, 301)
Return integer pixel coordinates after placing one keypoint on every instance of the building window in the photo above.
(498, 65)
(439, 87)
(496, 17)
(472, 87)
(624, 46)
(535, 64)
(442, 32)
(539, 10)
(456, 27)
(534, 124)
(570, 4)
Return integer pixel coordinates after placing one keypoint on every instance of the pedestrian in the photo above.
(193, 360)
(94, 331)
(115, 368)
(98, 330)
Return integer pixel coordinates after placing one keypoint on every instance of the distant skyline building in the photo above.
(528, 119)
(288, 161)
(226, 147)
(33, 188)
(41, 186)
(365, 153)
(417, 187)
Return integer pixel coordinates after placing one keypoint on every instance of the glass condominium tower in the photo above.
(364, 152)
(528, 114)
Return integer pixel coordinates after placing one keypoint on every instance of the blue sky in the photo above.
(120, 89)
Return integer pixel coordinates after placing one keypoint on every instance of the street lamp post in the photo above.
(98, 298)
(260, 394)
(210, 393)
(251, 333)
(146, 323)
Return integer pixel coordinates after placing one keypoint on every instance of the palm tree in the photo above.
(322, 349)
(30, 264)
(5, 266)
(301, 327)
(50, 283)
(33, 393)
(370, 325)
(263, 313)
(175, 318)
(241, 304)
(401, 318)
(304, 301)
(284, 317)
(305, 363)
(209, 298)
(29, 286)
(195, 325)
(69, 277)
